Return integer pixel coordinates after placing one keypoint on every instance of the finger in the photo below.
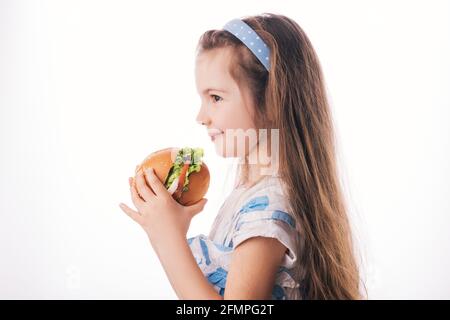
(136, 216)
(130, 182)
(142, 187)
(137, 200)
(154, 182)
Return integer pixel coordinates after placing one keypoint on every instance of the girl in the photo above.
(283, 235)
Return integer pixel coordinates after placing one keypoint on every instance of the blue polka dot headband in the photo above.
(251, 39)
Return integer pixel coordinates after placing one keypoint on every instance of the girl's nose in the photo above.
(202, 119)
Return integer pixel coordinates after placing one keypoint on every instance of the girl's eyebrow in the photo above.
(212, 89)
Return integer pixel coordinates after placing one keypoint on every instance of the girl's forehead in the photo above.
(212, 71)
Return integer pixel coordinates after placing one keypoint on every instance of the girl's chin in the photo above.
(214, 139)
(224, 150)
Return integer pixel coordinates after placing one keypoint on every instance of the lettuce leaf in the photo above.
(175, 171)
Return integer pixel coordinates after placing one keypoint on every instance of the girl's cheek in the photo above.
(227, 120)
(233, 145)
(225, 147)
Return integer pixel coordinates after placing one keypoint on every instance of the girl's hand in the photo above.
(158, 213)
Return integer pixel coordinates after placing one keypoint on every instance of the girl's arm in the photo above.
(254, 264)
(166, 223)
(253, 267)
(183, 272)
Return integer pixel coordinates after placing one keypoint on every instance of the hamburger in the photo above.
(182, 171)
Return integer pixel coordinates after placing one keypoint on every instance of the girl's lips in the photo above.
(213, 132)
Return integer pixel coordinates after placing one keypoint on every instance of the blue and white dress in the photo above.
(260, 210)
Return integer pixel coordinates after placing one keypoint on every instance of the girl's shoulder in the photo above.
(267, 194)
(263, 211)
(266, 201)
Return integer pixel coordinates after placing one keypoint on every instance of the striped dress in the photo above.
(260, 210)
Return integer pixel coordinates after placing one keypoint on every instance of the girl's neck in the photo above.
(250, 179)
(251, 172)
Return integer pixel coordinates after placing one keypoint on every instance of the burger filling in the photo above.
(188, 160)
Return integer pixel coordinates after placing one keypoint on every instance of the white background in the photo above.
(89, 88)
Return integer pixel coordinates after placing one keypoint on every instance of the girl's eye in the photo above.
(214, 98)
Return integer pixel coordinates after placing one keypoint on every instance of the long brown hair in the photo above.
(292, 98)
